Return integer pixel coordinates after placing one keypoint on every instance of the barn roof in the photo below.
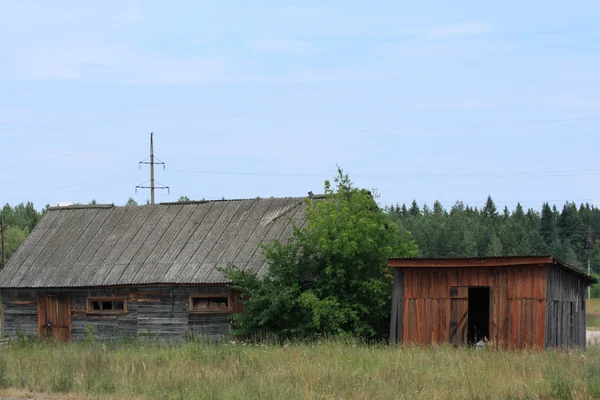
(171, 243)
(503, 261)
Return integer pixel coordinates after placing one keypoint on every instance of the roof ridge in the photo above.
(174, 203)
(80, 206)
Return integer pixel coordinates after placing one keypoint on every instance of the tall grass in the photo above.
(329, 370)
(593, 314)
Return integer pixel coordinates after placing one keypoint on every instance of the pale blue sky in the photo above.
(425, 100)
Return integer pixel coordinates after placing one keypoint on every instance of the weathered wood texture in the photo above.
(565, 311)
(168, 244)
(157, 311)
(397, 318)
(54, 317)
(517, 304)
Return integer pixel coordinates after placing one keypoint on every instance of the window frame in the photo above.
(227, 310)
(90, 310)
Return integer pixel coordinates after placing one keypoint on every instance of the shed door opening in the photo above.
(478, 314)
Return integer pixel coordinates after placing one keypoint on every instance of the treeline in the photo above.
(18, 221)
(571, 234)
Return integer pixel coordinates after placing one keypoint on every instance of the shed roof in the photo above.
(184, 243)
(504, 261)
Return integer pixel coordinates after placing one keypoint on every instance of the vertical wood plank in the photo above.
(394, 312)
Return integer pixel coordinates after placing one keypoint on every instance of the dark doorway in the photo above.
(479, 314)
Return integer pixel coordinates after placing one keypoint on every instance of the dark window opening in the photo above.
(572, 314)
(478, 314)
(106, 305)
(209, 304)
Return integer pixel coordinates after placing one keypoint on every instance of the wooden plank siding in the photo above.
(517, 304)
(156, 311)
(565, 311)
(397, 316)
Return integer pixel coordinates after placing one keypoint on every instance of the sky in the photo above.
(430, 100)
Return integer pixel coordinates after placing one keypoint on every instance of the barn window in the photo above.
(209, 304)
(107, 305)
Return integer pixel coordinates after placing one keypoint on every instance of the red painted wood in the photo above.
(517, 303)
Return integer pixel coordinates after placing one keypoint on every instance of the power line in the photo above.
(386, 131)
(92, 181)
(531, 174)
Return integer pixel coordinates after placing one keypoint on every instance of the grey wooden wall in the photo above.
(397, 314)
(565, 309)
(160, 311)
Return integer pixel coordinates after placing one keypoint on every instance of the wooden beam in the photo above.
(467, 262)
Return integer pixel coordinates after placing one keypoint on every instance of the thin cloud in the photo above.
(282, 45)
(460, 29)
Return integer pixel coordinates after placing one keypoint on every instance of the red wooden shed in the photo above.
(512, 302)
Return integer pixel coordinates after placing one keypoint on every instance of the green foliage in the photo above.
(182, 199)
(595, 289)
(494, 248)
(332, 276)
(90, 331)
(19, 221)
(13, 237)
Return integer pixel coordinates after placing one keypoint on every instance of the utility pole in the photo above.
(2, 240)
(590, 246)
(152, 186)
(589, 273)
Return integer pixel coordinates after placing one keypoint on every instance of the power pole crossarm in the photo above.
(152, 163)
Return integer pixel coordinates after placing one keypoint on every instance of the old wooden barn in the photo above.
(139, 270)
(513, 302)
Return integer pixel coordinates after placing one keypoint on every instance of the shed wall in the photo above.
(156, 311)
(565, 311)
(518, 303)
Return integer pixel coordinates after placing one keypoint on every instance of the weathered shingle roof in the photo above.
(168, 243)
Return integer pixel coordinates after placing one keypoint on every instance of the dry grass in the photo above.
(332, 370)
(593, 314)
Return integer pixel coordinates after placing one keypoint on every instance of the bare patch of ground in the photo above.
(593, 336)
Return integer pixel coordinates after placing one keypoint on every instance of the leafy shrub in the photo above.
(331, 278)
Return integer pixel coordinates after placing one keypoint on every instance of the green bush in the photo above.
(331, 278)
(595, 289)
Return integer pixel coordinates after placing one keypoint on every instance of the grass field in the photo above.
(332, 370)
(593, 314)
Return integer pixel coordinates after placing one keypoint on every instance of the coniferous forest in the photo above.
(570, 232)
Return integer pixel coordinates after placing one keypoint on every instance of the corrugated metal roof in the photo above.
(163, 244)
(437, 262)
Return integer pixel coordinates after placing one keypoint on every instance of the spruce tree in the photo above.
(547, 224)
(414, 209)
